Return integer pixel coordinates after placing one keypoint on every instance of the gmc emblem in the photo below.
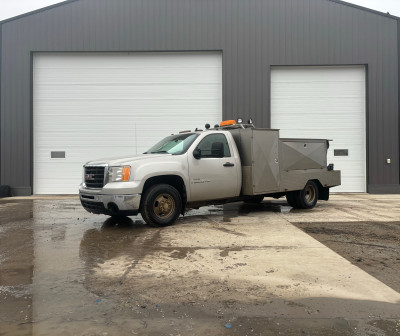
(89, 177)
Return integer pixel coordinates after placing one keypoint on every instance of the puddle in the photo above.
(15, 291)
(65, 271)
(225, 213)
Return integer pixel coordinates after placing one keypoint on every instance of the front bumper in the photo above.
(127, 205)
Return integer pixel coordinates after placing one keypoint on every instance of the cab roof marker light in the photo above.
(227, 123)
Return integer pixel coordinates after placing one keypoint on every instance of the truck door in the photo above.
(213, 174)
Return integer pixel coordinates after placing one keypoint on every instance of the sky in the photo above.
(10, 8)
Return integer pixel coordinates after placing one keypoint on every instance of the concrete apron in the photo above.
(279, 261)
(91, 276)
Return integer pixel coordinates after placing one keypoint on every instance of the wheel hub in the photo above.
(309, 194)
(164, 206)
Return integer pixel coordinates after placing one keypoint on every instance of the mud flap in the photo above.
(323, 193)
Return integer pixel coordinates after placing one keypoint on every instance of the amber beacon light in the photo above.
(227, 123)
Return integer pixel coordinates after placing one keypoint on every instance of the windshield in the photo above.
(174, 144)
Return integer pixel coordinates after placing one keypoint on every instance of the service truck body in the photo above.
(233, 163)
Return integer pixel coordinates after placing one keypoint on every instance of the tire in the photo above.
(304, 199)
(161, 205)
(290, 198)
(254, 200)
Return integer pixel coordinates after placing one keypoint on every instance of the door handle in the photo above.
(228, 164)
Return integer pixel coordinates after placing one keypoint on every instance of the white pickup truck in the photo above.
(231, 162)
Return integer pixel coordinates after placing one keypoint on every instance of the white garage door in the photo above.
(328, 103)
(90, 106)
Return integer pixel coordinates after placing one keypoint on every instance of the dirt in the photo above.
(371, 246)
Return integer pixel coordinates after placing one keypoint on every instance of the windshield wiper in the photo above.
(159, 152)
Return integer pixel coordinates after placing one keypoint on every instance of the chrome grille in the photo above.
(94, 176)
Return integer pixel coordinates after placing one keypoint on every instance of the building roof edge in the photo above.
(373, 11)
(63, 3)
(36, 11)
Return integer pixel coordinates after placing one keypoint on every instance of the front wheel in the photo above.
(161, 205)
(304, 199)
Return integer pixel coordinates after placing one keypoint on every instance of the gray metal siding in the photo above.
(1, 115)
(253, 36)
(398, 87)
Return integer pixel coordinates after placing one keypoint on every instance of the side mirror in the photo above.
(197, 153)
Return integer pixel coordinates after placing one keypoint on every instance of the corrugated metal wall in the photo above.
(1, 119)
(253, 35)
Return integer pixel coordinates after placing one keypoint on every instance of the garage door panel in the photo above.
(327, 103)
(330, 127)
(316, 73)
(72, 155)
(67, 70)
(102, 105)
(171, 78)
(130, 92)
(327, 133)
(352, 183)
(304, 94)
(144, 60)
(51, 172)
(74, 108)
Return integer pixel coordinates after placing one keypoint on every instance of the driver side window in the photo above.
(214, 146)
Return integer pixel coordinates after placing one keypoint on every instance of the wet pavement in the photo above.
(225, 270)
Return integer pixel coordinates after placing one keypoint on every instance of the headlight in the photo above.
(119, 174)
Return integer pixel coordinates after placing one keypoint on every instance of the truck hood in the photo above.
(116, 161)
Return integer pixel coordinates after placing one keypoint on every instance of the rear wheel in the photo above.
(304, 199)
(161, 205)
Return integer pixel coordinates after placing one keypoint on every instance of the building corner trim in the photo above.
(398, 92)
(1, 113)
